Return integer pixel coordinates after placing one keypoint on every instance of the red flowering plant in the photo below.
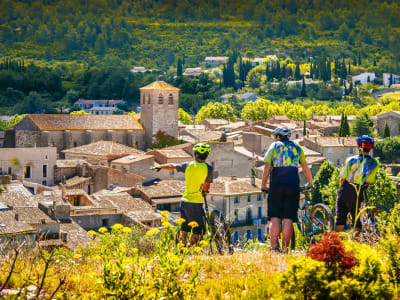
(331, 250)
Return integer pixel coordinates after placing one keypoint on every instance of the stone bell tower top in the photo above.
(159, 102)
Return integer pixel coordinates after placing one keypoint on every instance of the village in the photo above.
(63, 175)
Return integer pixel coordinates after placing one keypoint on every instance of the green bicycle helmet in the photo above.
(202, 148)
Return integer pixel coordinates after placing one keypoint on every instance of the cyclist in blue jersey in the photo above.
(358, 172)
(282, 161)
(198, 176)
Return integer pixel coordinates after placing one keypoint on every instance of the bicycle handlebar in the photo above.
(306, 188)
(158, 168)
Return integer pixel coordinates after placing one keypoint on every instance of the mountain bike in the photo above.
(219, 230)
(312, 220)
(369, 216)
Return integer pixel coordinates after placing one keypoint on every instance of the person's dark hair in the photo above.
(365, 150)
(283, 137)
(201, 156)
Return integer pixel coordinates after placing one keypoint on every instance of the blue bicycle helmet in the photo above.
(283, 131)
(365, 141)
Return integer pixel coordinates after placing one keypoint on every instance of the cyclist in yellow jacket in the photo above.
(358, 172)
(198, 176)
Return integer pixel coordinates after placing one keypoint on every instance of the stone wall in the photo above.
(393, 122)
(256, 142)
(95, 221)
(25, 139)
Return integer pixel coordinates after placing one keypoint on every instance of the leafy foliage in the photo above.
(382, 191)
(321, 180)
(215, 111)
(184, 117)
(161, 140)
(388, 149)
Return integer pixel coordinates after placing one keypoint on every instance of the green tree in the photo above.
(161, 140)
(215, 110)
(260, 110)
(382, 191)
(321, 180)
(362, 125)
(184, 117)
(386, 133)
(304, 128)
(346, 127)
(329, 191)
(388, 149)
(179, 68)
(79, 112)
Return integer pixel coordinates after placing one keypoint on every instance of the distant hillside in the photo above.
(155, 33)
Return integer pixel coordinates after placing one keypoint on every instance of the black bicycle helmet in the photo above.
(283, 131)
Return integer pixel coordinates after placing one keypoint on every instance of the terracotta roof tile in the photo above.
(16, 195)
(331, 141)
(123, 201)
(85, 122)
(104, 149)
(10, 226)
(159, 85)
(32, 215)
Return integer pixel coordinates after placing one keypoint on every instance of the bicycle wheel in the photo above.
(321, 216)
(369, 218)
(221, 235)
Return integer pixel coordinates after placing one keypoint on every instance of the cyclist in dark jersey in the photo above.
(358, 172)
(282, 161)
(198, 176)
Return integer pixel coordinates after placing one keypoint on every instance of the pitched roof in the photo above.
(76, 235)
(234, 186)
(10, 226)
(164, 189)
(16, 195)
(85, 122)
(87, 101)
(216, 121)
(159, 85)
(123, 201)
(131, 159)
(176, 153)
(104, 149)
(330, 141)
(32, 215)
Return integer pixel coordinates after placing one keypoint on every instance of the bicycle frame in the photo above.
(305, 213)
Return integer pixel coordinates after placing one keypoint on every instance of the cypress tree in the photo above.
(297, 75)
(341, 126)
(374, 61)
(179, 68)
(349, 69)
(386, 133)
(304, 128)
(359, 58)
(346, 127)
(303, 92)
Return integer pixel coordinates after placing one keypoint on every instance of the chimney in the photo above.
(16, 217)
(233, 178)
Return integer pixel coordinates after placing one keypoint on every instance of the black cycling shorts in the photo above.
(346, 202)
(283, 202)
(193, 212)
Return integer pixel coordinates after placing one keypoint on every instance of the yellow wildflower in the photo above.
(77, 256)
(165, 219)
(97, 257)
(166, 224)
(203, 243)
(122, 245)
(117, 226)
(165, 213)
(127, 230)
(103, 230)
(153, 231)
(197, 249)
(193, 224)
(91, 232)
(180, 221)
(134, 250)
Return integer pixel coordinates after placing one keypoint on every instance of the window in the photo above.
(148, 99)
(28, 171)
(44, 182)
(249, 217)
(259, 197)
(259, 234)
(338, 162)
(248, 234)
(1, 171)
(104, 222)
(248, 198)
(236, 213)
(75, 144)
(46, 157)
(9, 170)
(44, 171)
(351, 150)
(236, 200)
(143, 99)
(235, 237)
(260, 212)
(160, 99)
(170, 99)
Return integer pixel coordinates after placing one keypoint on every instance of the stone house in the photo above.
(363, 78)
(100, 153)
(392, 119)
(212, 61)
(165, 195)
(15, 195)
(46, 227)
(212, 124)
(193, 71)
(13, 233)
(242, 203)
(34, 164)
(334, 149)
(92, 105)
(166, 156)
(136, 164)
(69, 131)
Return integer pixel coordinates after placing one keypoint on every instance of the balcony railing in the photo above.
(251, 222)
